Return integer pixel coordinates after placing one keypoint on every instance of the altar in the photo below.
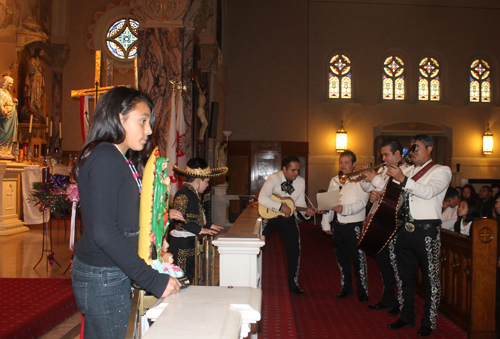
(10, 198)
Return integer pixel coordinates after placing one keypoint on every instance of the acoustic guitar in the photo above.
(381, 224)
(268, 213)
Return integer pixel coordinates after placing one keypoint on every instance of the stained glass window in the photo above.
(339, 77)
(480, 81)
(393, 79)
(121, 38)
(428, 80)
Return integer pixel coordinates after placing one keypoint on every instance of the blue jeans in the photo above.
(103, 295)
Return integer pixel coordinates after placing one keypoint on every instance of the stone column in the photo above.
(59, 56)
(166, 52)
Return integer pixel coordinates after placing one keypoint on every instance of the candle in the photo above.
(31, 122)
(60, 130)
(50, 128)
(46, 124)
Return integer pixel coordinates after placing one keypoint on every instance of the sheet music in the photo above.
(327, 200)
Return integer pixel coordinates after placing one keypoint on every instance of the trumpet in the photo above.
(359, 175)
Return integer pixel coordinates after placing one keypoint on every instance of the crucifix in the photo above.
(95, 92)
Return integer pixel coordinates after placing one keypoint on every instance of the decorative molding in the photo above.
(29, 31)
(151, 14)
(199, 14)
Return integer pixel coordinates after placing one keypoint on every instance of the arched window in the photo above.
(339, 78)
(480, 81)
(393, 80)
(429, 86)
(121, 38)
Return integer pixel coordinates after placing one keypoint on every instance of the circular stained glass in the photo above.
(121, 38)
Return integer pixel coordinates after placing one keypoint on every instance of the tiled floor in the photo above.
(20, 252)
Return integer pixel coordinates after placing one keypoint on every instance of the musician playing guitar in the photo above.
(347, 222)
(418, 240)
(375, 182)
(286, 183)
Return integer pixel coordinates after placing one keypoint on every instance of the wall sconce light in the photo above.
(227, 134)
(341, 138)
(488, 141)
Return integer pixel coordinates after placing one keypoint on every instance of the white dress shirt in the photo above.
(449, 218)
(426, 195)
(273, 186)
(353, 200)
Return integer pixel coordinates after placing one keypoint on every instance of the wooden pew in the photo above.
(468, 278)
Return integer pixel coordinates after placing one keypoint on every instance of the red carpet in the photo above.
(318, 314)
(31, 307)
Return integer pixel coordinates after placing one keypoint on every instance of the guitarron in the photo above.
(380, 224)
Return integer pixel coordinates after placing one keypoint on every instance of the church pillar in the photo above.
(166, 53)
(60, 54)
(161, 59)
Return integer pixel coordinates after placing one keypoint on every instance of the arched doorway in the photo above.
(404, 131)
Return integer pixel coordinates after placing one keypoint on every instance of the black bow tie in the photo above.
(287, 187)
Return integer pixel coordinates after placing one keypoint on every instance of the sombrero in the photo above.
(198, 168)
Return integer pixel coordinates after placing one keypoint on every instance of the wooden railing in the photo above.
(468, 278)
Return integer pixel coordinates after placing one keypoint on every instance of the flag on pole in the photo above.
(84, 116)
(171, 148)
(181, 136)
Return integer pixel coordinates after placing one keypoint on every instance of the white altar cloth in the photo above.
(208, 312)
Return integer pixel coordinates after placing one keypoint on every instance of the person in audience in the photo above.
(449, 215)
(286, 183)
(418, 241)
(469, 192)
(188, 202)
(347, 223)
(495, 189)
(108, 172)
(468, 211)
(486, 202)
(459, 190)
(391, 150)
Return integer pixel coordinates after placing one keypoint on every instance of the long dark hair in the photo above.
(473, 210)
(107, 127)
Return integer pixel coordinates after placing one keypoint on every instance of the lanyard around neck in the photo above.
(133, 169)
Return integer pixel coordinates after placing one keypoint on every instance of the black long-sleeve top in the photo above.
(110, 201)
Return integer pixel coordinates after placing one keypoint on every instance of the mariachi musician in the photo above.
(375, 182)
(286, 183)
(418, 241)
(347, 222)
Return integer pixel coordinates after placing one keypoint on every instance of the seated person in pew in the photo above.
(449, 215)
(468, 211)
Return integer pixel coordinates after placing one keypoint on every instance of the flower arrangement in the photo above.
(51, 195)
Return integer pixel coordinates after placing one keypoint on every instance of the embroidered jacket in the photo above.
(188, 202)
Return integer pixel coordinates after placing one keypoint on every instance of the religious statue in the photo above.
(8, 118)
(202, 100)
(33, 88)
(221, 154)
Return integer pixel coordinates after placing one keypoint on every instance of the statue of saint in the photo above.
(8, 118)
(33, 88)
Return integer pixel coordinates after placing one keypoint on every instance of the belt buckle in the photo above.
(409, 227)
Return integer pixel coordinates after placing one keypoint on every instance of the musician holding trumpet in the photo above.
(347, 222)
